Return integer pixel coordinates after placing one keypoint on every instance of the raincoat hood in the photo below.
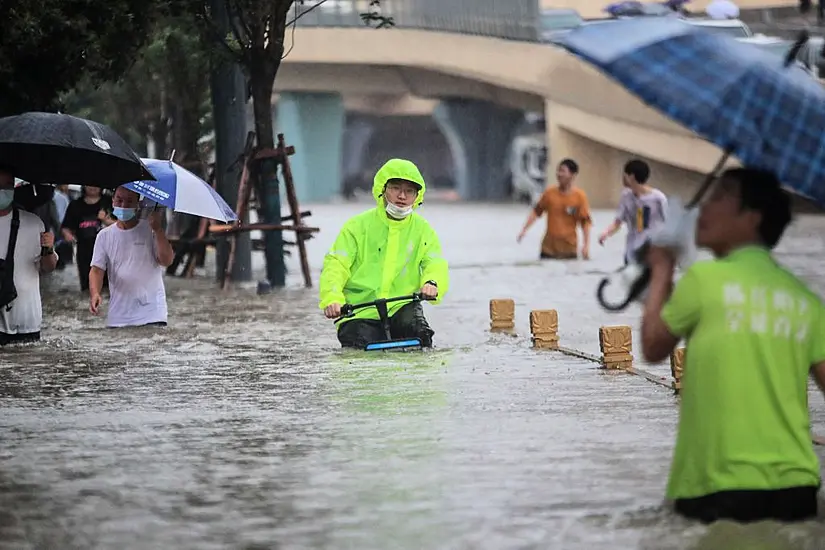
(398, 169)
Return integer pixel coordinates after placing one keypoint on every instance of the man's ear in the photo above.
(754, 219)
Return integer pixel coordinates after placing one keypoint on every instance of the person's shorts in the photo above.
(744, 506)
(18, 338)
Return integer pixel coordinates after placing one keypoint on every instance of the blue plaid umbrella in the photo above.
(738, 97)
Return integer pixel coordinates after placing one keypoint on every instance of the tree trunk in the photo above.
(262, 79)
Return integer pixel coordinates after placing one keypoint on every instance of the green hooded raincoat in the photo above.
(375, 256)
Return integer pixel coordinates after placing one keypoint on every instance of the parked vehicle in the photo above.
(554, 23)
(528, 166)
(811, 56)
(732, 27)
(808, 58)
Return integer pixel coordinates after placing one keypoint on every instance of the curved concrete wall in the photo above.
(589, 116)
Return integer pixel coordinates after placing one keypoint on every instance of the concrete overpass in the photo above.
(485, 73)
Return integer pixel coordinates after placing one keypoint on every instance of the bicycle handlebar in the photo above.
(347, 310)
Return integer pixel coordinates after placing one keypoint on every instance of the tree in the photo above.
(163, 97)
(255, 40)
(47, 47)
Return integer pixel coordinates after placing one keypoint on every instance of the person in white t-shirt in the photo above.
(134, 252)
(20, 318)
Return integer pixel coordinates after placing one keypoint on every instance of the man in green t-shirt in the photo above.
(754, 333)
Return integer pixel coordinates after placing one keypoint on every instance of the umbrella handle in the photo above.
(710, 179)
(637, 286)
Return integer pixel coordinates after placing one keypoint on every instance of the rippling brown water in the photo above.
(243, 425)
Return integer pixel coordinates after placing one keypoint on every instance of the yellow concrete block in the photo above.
(677, 360)
(502, 314)
(544, 326)
(616, 345)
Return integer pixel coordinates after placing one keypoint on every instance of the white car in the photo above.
(732, 27)
(528, 166)
(811, 56)
(555, 23)
(779, 47)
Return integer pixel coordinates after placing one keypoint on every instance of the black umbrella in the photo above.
(58, 148)
(32, 197)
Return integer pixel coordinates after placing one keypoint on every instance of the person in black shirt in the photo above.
(85, 217)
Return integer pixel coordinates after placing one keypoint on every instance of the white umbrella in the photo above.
(182, 191)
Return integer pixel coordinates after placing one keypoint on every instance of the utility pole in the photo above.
(229, 112)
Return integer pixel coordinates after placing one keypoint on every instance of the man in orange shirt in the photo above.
(566, 207)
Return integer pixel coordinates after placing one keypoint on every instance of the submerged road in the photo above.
(244, 426)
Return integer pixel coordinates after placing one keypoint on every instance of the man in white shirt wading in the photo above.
(134, 252)
(33, 253)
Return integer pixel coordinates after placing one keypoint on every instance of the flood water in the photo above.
(244, 426)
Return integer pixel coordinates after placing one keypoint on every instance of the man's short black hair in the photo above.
(760, 191)
(571, 165)
(638, 169)
(6, 169)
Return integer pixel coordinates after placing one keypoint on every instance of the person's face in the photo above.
(6, 180)
(722, 223)
(125, 198)
(628, 180)
(401, 193)
(564, 176)
(92, 192)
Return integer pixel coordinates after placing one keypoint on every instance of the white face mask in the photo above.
(398, 212)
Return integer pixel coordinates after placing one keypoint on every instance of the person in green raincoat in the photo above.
(387, 251)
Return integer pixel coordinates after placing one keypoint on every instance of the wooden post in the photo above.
(295, 210)
(197, 257)
(544, 326)
(677, 361)
(616, 344)
(502, 315)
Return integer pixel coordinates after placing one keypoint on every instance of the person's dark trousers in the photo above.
(787, 505)
(65, 253)
(184, 248)
(6, 339)
(84, 264)
(407, 322)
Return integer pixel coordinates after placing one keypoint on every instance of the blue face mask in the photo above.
(124, 214)
(6, 198)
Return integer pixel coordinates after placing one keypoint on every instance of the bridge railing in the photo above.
(510, 19)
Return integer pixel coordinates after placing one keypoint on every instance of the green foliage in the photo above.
(163, 93)
(164, 89)
(47, 47)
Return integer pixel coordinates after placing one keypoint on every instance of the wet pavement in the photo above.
(244, 426)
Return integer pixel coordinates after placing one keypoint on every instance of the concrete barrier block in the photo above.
(502, 314)
(677, 360)
(616, 345)
(544, 326)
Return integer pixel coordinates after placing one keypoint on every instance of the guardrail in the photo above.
(509, 19)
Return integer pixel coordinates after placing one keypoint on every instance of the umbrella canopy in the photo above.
(58, 148)
(179, 189)
(739, 97)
